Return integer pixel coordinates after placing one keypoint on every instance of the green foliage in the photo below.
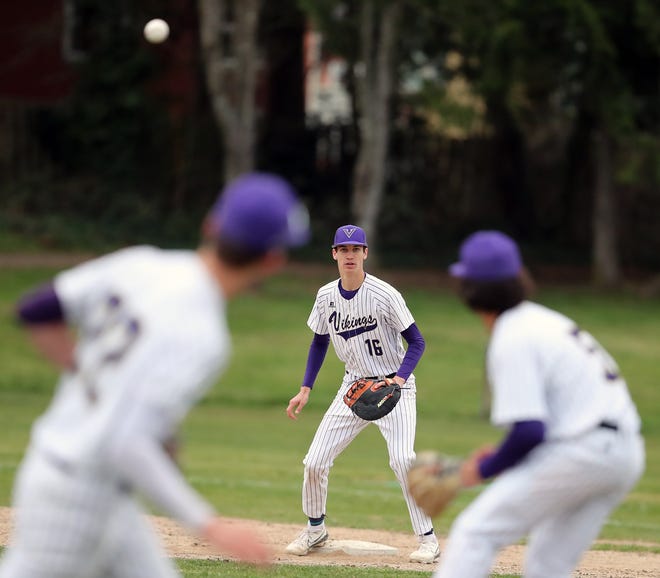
(109, 124)
(574, 51)
(338, 21)
(123, 173)
(120, 169)
(640, 160)
(86, 215)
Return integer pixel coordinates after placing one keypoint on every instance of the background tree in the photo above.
(564, 85)
(541, 119)
(229, 43)
(372, 55)
(375, 83)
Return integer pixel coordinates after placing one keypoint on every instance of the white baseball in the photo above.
(156, 30)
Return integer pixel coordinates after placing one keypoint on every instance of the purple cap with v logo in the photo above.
(350, 235)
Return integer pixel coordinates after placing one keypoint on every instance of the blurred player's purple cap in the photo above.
(350, 235)
(260, 211)
(487, 256)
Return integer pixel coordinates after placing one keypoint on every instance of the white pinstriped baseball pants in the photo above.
(338, 429)
(78, 526)
(559, 496)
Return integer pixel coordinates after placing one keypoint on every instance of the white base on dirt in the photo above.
(358, 548)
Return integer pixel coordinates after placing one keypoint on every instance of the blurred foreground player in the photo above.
(572, 451)
(151, 338)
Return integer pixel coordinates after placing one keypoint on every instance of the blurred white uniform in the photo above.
(541, 366)
(152, 340)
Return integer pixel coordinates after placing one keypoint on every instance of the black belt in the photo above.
(374, 377)
(608, 425)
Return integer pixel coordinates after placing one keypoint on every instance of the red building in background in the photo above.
(33, 52)
(43, 42)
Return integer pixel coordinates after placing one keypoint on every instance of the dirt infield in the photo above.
(180, 544)
(596, 564)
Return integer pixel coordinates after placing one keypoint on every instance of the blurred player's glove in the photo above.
(434, 481)
(370, 399)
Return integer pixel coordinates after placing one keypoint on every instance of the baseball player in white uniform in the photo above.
(365, 318)
(572, 450)
(151, 339)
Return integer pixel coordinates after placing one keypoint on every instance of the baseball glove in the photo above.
(370, 399)
(434, 481)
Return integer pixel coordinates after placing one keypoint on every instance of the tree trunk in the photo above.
(606, 269)
(228, 36)
(375, 86)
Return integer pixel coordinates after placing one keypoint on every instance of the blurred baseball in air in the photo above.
(156, 30)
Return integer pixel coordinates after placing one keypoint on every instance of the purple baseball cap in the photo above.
(260, 211)
(487, 256)
(350, 235)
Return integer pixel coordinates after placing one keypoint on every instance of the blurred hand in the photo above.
(470, 475)
(238, 540)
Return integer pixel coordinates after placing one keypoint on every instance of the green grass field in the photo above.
(242, 452)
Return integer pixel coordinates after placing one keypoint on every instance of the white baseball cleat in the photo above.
(427, 553)
(309, 538)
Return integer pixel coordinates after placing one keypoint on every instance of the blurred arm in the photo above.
(523, 437)
(145, 465)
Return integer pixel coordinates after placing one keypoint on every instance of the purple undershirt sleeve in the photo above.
(523, 437)
(317, 351)
(416, 346)
(40, 306)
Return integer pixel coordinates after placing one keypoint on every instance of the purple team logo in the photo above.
(348, 326)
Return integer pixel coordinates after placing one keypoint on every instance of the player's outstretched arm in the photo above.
(237, 540)
(134, 451)
(298, 402)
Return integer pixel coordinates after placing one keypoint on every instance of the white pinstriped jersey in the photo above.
(541, 366)
(365, 330)
(152, 339)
